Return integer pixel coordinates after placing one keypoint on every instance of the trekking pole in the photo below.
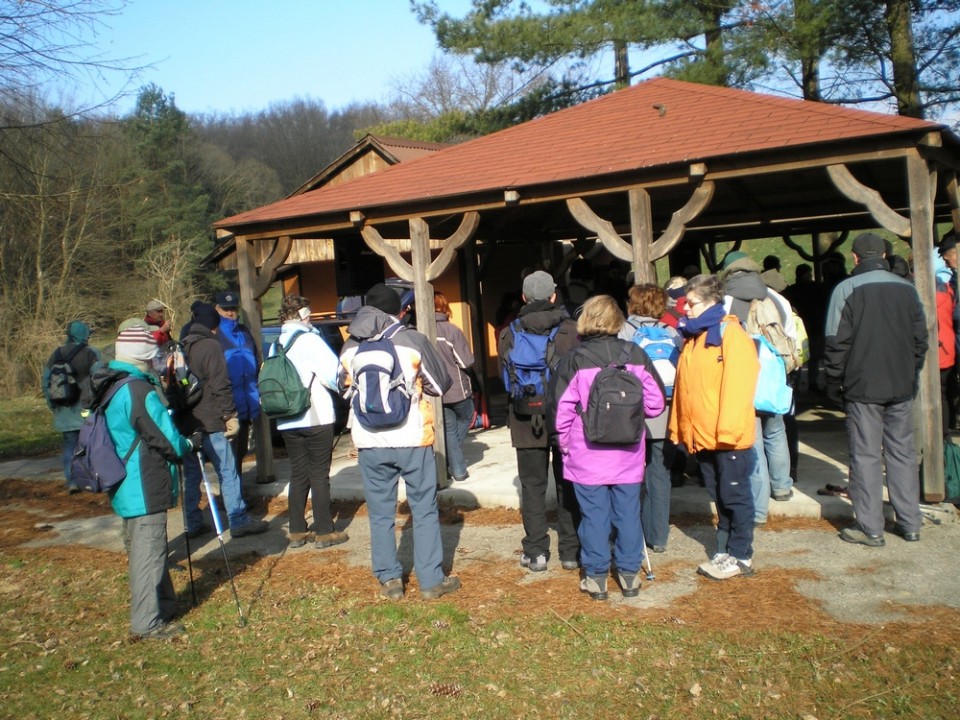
(646, 555)
(219, 528)
(186, 537)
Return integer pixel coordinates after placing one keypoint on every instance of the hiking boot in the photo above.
(330, 539)
(857, 536)
(447, 585)
(164, 632)
(73, 489)
(298, 540)
(537, 564)
(199, 531)
(724, 567)
(569, 564)
(254, 527)
(906, 534)
(392, 589)
(629, 584)
(595, 587)
(782, 496)
(460, 478)
(659, 548)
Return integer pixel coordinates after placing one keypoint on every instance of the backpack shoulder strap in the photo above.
(593, 357)
(125, 380)
(390, 332)
(292, 340)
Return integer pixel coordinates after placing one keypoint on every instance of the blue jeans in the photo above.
(216, 449)
(726, 476)
(604, 508)
(70, 438)
(760, 478)
(457, 418)
(655, 492)
(381, 469)
(777, 452)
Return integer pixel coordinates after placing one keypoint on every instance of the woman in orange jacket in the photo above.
(713, 417)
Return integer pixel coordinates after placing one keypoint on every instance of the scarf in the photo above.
(708, 320)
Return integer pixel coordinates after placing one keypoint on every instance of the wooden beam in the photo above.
(953, 198)
(641, 231)
(427, 324)
(697, 203)
(919, 178)
(468, 226)
(250, 302)
(605, 231)
(268, 273)
(856, 191)
(375, 241)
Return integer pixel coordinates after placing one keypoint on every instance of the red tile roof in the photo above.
(655, 123)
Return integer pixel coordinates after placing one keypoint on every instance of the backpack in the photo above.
(527, 368)
(282, 394)
(663, 352)
(614, 414)
(951, 471)
(95, 466)
(379, 393)
(773, 394)
(764, 319)
(63, 388)
(182, 388)
(803, 340)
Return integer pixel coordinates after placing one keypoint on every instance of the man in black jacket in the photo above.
(215, 416)
(876, 341)
(529, 434)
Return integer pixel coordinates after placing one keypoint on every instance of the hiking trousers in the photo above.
(532, 464)
(153, 600)
(310, 450)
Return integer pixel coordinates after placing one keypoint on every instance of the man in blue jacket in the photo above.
(876, 342)
(141, 427)
(240, 352)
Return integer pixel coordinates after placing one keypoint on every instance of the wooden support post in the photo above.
(250, 302)
(427, 324)
(641, 228)
(953, 197)
(919, 176)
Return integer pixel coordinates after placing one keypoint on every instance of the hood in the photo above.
(78, 332)
(540, 316)
(745, 286)
(369, 321)
(197, 331)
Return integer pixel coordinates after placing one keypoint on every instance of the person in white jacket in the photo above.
(309, 437)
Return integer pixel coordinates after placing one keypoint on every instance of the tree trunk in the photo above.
(622, 79)
(903, 58)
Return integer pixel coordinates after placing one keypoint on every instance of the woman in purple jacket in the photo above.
(606, 478)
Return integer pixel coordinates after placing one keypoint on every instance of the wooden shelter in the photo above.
(658, 167)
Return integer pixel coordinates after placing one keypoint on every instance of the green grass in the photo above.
(311, 652)
(26, 428)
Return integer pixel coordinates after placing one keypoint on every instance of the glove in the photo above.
(233, 427)
(196, 440)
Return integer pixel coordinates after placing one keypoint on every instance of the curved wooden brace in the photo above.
(611, 240)
(856, 191)
(375, 241)
(268, 273)
(468, 226)
(697, 203)
(797, 248)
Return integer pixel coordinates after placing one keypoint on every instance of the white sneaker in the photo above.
(712, 562)
(727, 567)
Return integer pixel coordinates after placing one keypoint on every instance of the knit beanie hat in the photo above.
(206, 315)
(136, 344)
(385, 298)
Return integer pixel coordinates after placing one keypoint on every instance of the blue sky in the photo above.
(242, 55)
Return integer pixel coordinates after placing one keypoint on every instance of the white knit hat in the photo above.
(136, 343)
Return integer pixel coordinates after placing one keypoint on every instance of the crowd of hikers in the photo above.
(620, 390)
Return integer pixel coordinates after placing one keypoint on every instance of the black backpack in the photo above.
(63, 388)
(614, 414)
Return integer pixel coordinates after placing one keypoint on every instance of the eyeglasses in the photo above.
(694, 303)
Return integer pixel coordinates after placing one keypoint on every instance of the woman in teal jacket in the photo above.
(138, 419)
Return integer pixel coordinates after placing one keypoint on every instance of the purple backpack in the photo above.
(96, 466)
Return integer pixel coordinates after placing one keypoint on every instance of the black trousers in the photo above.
(532, 464)
(310, 451)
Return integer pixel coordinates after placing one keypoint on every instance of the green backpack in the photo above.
(282, 394)
(951, 471)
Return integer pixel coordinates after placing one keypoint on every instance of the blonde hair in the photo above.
(600, 315)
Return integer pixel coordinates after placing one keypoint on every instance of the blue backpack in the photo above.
(380, 394)
(773, 395)
(663, 352)
(527, 368)
(95, 466)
